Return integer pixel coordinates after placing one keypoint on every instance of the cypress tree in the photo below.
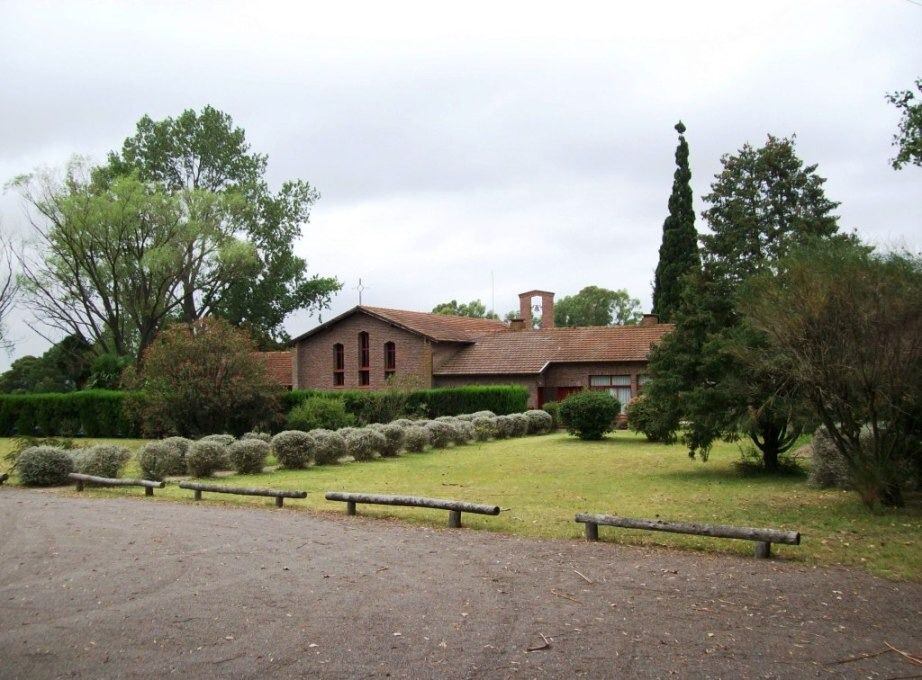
(678, 252)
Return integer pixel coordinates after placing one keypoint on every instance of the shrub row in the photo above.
(90, 413)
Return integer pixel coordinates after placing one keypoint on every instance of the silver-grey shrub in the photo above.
(260, 436)
(292, 449)
(364, 443)
(447, 419)
(440, 433)
(539, 421)
(328, 446)
(205, 457)
(519, 424)
(484, 428)
(483, 414)
(503, 428)
(402, 422)
(181, 446)
(102, 460)
(248, 456)
(44, 466)
(158, 460)
(415, 438)
(222, 439)
(464, 432)
(393, 438)
(468, 417)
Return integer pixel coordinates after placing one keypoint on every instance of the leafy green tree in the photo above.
(64, 367)
(909, 139)
(595, 306)
(110, 263)
(206, 152)
(474, 308)
(845, 326)
(678, 252)
(762, 204)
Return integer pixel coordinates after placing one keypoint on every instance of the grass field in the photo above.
(541, 482)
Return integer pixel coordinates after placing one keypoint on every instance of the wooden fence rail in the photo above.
(455, 508)
(763, 537)
(278, 494)
(81, 480)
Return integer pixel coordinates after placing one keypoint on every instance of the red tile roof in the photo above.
(530, 351)
(278, 366)
(439, 327)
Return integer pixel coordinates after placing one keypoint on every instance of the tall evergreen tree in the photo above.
(678, 252)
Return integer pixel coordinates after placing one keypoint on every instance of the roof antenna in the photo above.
(360, 288)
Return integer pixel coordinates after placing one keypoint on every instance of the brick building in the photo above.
(363, 347)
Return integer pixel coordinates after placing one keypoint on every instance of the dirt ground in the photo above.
(121, 587)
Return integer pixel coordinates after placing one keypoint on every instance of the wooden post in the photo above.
(148, 491)
(278, 501)
(350, 507)
(592, 531)
(198, 494)
(79, 485)
(454, 519)
(763, 550)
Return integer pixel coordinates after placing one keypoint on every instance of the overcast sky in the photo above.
(529, 141)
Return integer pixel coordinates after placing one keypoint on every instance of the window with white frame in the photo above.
(618, 386)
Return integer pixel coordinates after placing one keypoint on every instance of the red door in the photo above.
(564, 392)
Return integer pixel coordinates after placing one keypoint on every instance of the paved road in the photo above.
(122, 587)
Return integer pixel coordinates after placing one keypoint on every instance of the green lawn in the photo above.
(540, 482)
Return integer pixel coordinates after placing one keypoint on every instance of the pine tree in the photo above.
(678, 253)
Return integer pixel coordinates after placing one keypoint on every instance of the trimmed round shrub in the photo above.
(503, 427)
(328, 446)
(316, 413)
(222, 439)
(654, 424)
(181, 446)
(364, 443)
(103, 460)
(447, 419)
(483, 414)
(519, 424)
(292, 449)
(539, 421)
(258, 436)
(416, 438)
(468, 417)
(484, 428)
(157, 460)
(552, 408)
(464, 432)
(44, 466)
(346, 431)
(403, 422)
(589, 414)
(441, 433)
(393, 438)
(248, 456)
(205, 457)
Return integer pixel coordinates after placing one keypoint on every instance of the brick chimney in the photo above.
(517, 325)
(547, 307)
(649, 320)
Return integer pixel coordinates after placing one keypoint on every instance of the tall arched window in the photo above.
(390, 359)
(339, 365)
(364, 359)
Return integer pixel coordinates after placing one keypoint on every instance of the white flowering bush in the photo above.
(415, 438)
(292, 449)
(539, 421)
(248, 456)
(328, 446)
(364, 443)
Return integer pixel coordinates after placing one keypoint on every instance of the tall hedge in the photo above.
(89, 413)
(382, 407)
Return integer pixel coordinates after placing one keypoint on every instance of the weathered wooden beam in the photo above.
(413, 501)
(763, 537)
(81, 479)
(278, 494)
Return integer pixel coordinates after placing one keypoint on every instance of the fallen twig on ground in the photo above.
(583, 576)
(546, 645)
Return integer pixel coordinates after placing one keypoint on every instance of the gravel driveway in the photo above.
(123, 587)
